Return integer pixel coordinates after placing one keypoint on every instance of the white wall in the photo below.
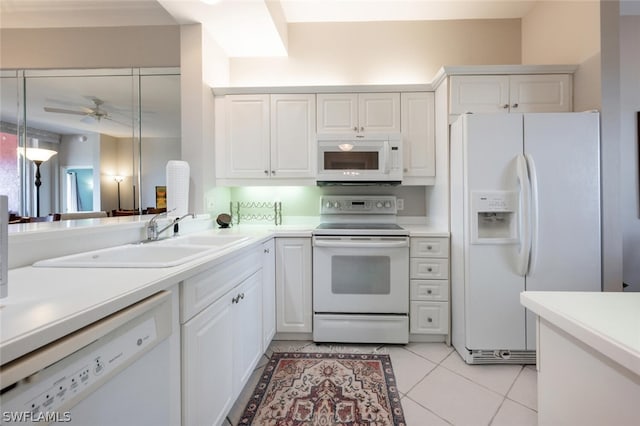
(380, 52)
(567, 32)
(100, 47)
(629, 107)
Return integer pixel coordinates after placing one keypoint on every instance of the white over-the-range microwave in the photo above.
(373, 159)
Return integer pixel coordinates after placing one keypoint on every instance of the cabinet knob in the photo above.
(273, 172)
(429, 291)
(405, 170)
(429, 319)
(514, 106)
(429, 247)
(355, 128)
(234, 300)
(430, 269)
(266, 250)
(241, 296)
(505, 106)
(362, 129)
(266, 172)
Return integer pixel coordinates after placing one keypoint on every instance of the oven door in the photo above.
(360, 274)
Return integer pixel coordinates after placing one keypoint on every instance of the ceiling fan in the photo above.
(90, 114)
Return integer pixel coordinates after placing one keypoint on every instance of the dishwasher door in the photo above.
(115, 371)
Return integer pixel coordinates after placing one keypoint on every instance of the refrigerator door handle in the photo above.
(524, 214)
(533, 212)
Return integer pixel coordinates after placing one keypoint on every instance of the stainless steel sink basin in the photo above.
(129, 256)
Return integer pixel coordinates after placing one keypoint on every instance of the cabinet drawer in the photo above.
(429, 247)
(426, 268)
(202, 289)
(429, 318)
(437, 290)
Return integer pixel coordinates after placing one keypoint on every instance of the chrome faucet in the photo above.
(152, 226)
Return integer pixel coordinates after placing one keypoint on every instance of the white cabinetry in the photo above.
(511, 93)
(268, 292)
(293, 122)
(222, 336)
(429, 281)
(247, 329)
(266, 136)
(418, 137)
(293, 285)
(358, 113)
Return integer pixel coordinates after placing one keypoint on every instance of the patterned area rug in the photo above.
(309, 389)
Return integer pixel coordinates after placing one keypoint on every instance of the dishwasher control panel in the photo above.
(48, 394)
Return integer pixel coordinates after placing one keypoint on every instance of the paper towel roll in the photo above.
(177, 188)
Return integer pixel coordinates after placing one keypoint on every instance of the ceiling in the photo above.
(246, 27)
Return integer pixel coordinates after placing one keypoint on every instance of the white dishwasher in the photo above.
(116, 371)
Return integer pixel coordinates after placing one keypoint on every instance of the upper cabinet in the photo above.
(356, 114)
(265, 136)
(510, 93)
(418, 137)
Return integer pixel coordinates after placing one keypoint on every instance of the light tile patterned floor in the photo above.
(437, 386)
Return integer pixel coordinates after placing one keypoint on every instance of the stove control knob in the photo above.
(336, 205)
(387, 204)
(379, 204)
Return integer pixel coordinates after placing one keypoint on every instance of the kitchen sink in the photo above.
(211, 240)
(157, 254)
(129, 256)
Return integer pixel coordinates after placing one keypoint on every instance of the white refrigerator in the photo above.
(525, 215)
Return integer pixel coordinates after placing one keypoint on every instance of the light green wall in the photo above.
(305, 200)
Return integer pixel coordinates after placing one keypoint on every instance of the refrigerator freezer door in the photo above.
(564, 163)
(494, 317)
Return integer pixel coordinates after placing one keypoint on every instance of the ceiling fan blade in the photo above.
(116, 121)
(64, 111)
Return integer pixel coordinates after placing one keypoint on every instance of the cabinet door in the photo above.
(485, 93)
(293, 285)
(379, 112)
(247, 136)
(540, 93)
(337, 113)
(418, 134)
(268, 293)
(247, 330)
(207, 369)
(293, 123)
(429, 318)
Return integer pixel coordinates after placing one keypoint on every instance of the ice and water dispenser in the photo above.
(494, 217)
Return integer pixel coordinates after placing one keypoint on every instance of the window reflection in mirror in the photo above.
(113, 131)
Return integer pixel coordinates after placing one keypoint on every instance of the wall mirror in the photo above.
(112, 131)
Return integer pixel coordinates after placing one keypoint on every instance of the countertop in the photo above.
(607, 322)
(45, 304)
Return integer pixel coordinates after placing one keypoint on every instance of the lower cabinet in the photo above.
(221, 343)
(208, 374)
(429, 291)
(293, 285)
(268, 293)
(246, 309)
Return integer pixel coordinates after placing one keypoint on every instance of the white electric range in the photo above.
(360, 272)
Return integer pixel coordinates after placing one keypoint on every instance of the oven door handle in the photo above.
(360, 243)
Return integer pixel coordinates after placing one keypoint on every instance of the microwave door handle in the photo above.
(387, 158)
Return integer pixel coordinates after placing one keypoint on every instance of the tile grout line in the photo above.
(437, 364)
